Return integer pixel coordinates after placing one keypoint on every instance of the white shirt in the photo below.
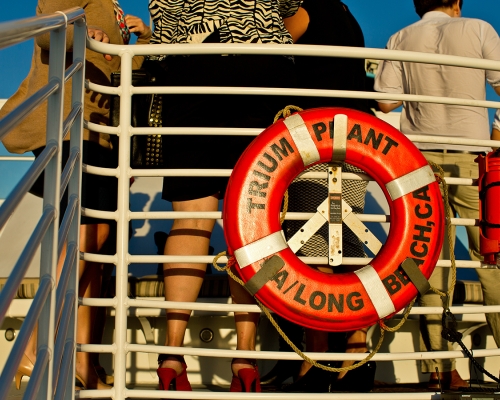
(496, 120)
(439, 33)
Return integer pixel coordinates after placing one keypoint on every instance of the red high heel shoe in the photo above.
(248, 380)
(169, 379)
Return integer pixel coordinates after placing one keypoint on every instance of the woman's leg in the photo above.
(356, 343)
(183, 280)
(92, 239)
(246, 325)
(316, 342)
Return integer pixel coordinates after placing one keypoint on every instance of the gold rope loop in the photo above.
(403, 320)
(286, 112)
(311, 361)
(285, 208)
(440, 179)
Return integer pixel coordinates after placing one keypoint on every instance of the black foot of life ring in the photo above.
(279, 279)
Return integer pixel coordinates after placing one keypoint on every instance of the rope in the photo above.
(448, 294)
(265, 310)
(286, 112)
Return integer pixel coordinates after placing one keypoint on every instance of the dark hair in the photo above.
(424, 6)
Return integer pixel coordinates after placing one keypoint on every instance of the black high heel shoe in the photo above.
(316, 380)
(361, 379)
(281, 371)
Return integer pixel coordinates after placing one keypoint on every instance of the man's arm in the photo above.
(388, 107)
(495, 135)
(389, 80)
(495, 131)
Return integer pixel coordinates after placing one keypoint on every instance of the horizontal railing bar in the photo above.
(110, 130)
(277, 355)
(62, 331)
(74, 156)
(219, 307)
(294, 216)
(35, 170)
(24, 109)
(111, 215)
(70, 119)
(156, 259)
(227, 172)
(198, 131)
(90, 169)
(14, 32)
(16, 158)
(19, 271)
(74, 14)
(37, 374)
(25, 332)
(295, 50)
(155, 307)
(72, 69)
(65, 225)
(101, 258)
(261, 91)
(257, 131)
(220, 395)
(17, 31)
(69, 264)
(66, 371)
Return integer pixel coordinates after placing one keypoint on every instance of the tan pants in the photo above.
(464, 201)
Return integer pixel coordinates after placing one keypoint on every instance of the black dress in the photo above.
(331, 24)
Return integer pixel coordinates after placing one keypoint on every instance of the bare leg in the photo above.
(92, 239)
(183, 280)
(100, 320)
(246, 325)
(317, 342)
(356, 343)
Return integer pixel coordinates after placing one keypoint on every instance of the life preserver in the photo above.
(296, 291)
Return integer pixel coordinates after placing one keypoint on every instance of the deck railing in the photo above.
(53, 307)
(122, 303)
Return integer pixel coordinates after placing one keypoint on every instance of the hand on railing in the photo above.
(101, 36)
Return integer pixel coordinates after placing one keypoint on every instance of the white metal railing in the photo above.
(123, 258)
(53, 310)
(122, 304)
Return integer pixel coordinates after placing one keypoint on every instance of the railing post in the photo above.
(74, 186)
(48, 262)
(123, 227)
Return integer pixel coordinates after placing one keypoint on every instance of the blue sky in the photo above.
(378, 19)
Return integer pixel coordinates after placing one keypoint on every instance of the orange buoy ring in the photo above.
(280, 280)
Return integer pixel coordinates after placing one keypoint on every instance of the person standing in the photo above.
(442, 30)
(327, 23)
(213, 21)
(107, 23)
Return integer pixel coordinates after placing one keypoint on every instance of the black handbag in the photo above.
(145, 150)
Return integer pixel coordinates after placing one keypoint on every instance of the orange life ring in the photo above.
(304, 295)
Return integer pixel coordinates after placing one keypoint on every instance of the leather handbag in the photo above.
(145, 150)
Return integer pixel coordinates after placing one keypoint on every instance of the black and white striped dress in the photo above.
(237, 21)
(218, 21)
